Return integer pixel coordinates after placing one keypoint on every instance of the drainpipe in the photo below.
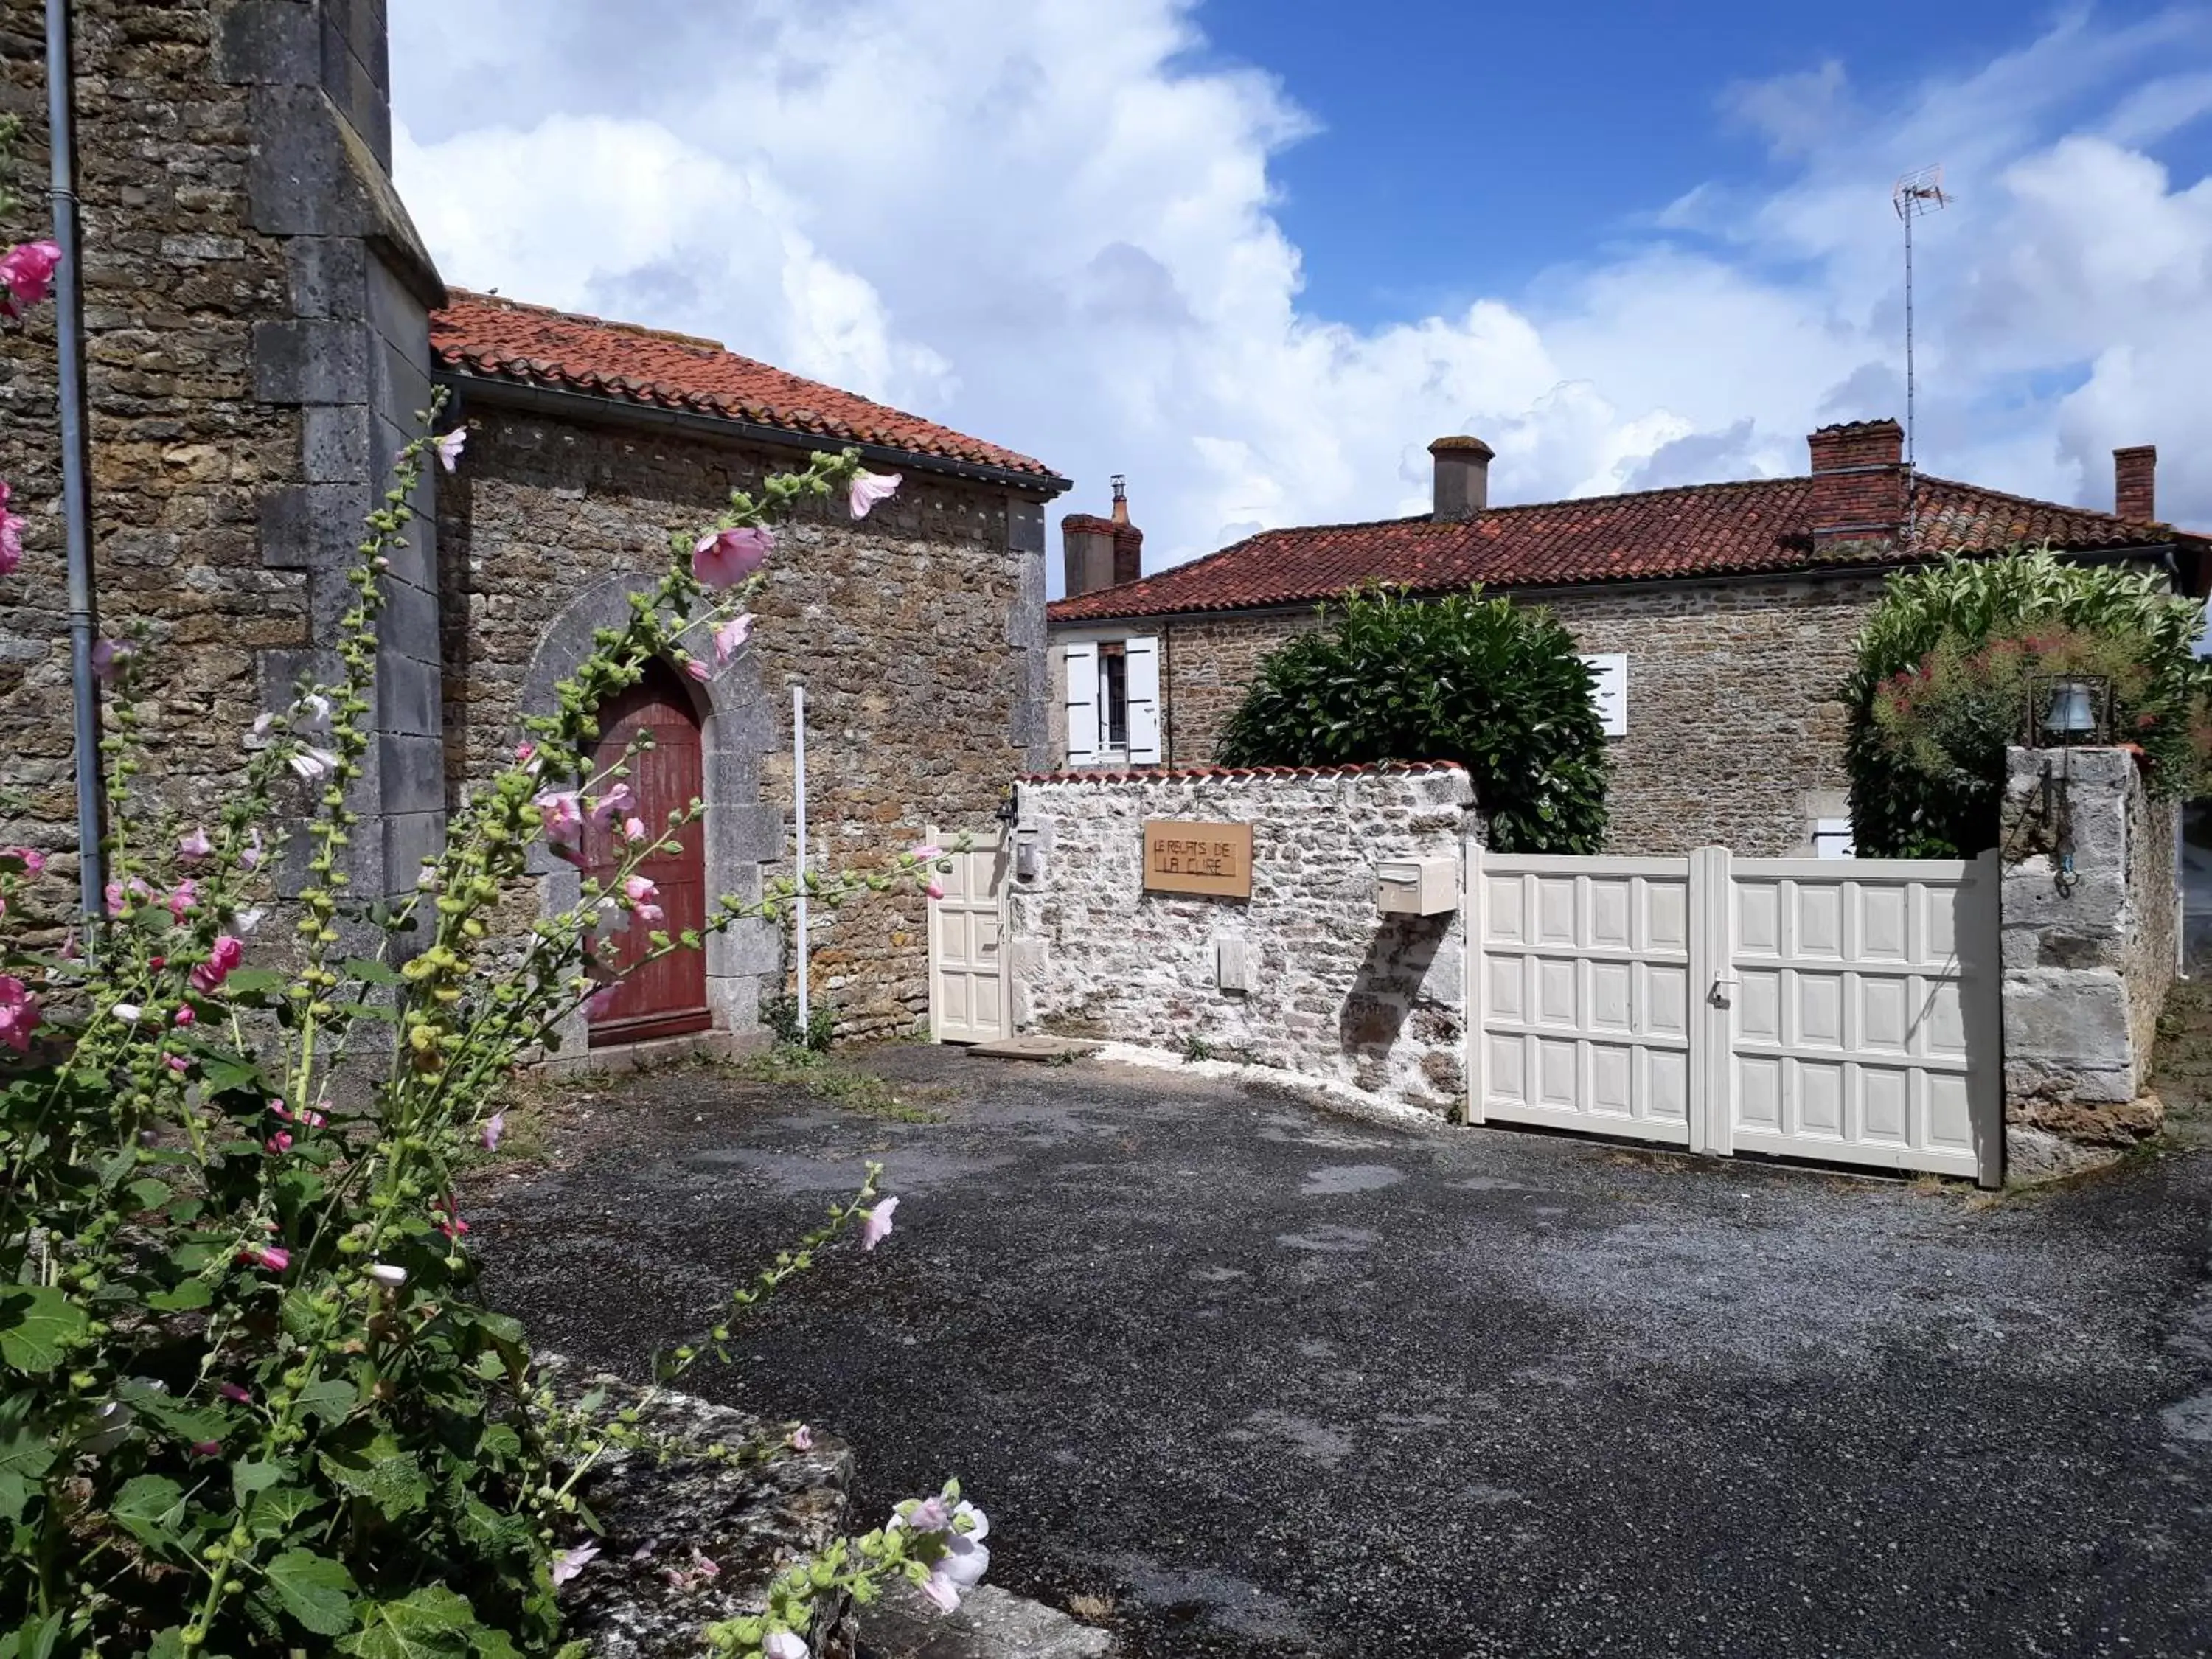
(77, 498)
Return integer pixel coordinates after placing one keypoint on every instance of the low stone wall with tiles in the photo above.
(2089, 953)
(1334, 991)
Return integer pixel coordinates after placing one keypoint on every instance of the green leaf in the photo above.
(371, 973)
(193, 1293)
(37, 1325)
(191, 1425)
(432, 1623)
(332, 1399)
(148, 1508)
(314, 1590)
(149, 1194)
(252, 981)
(247, 1479)
(24, 1457)
(382, 1473)
(271, 1514)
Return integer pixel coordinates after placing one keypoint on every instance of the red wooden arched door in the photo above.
(668, 997)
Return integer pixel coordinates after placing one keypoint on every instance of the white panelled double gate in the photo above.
(1844, 1009)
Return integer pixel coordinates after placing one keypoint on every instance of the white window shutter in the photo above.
(1083, 705)
(1144, 663)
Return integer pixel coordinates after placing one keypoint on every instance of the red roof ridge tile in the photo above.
(2006, 495)
(492, 336)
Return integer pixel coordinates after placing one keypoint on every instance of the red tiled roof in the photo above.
(1755, 528)
(508, 340)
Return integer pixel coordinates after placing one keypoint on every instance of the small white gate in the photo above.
(1838, 1009)
(966, 972)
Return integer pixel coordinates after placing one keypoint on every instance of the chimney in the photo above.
(2135, 482)
(1858, 483)
(1128, 540)
(1101, 552)
(1462, 477)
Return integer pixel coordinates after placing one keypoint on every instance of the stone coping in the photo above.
(1185, 774)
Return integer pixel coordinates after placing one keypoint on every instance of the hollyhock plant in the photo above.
(723, 558)
(27, 275)
(301, 1274)
(108, 657)
(869, 488)
(449, 446)
(11, 535)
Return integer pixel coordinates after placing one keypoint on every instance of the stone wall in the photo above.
(1736, 726)
(1336, 992)
(255, 338)
(2089, 952)
(918, 634)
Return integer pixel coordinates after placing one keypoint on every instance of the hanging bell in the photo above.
(2073, 711)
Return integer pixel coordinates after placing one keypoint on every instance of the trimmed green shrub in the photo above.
(1496, 687)
(1941, 688)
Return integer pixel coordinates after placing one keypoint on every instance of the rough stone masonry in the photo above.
(1331, 988)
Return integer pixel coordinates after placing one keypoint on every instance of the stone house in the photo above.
(260, 322)
(1719, 619)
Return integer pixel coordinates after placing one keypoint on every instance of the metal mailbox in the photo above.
(1416, 887)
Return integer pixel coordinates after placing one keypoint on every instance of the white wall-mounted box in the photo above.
(1416, 887)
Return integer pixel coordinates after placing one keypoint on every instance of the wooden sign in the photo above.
(1197, 858)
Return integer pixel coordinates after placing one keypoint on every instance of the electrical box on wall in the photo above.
(1416, 887)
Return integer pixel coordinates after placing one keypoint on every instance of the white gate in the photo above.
(1838, 1009)
(966, 972)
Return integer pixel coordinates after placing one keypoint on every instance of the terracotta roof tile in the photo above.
(1759, 527)
(508, 340)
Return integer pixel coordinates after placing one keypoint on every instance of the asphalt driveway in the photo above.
(1275, 1383)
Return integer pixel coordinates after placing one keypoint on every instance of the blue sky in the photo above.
(1257, 253)
(1463, 149)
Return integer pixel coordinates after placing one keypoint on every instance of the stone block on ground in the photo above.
(991, 1623)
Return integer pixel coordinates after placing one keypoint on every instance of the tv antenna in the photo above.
(1917, 193)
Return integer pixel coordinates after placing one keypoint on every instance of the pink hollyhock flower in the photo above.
(782, 1644)
(942, 1591)
(525, 753)
(186, 894)
(231, 1391)
(315, 1120)
(274, 1257)
(449, 1220)
(730, 638)
(177, 1063)
(208, 1448)
(26, 272)
(877, 1228)
(596, 1005)
(223, 955)
(567, 1564)
(195, 845)
(250, 854)
(721, 558)
(449, 446)
(108, 656)
(697, 670)
(926, 853)
(640, 890)
(933, 888)
(564, 823)
(11, 535)
(33, 861)
(930, 1515)
(868, 489)
(283, 1112)
(633, 830)
(491, 1129)
(311, 763)
(279, 1143)
(184, 1015)
(18, 1013)
(606, 807)
(802, 1439)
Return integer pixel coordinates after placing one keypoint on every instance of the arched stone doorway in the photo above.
(735, 725)
(667, 997)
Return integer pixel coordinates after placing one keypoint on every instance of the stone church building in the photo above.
(261, 319)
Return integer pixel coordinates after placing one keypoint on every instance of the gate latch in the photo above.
(1718, 996)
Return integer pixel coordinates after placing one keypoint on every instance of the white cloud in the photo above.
(1042, 225)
